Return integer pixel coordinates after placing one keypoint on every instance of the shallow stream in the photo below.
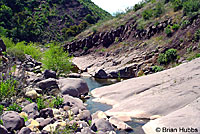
(136, 124)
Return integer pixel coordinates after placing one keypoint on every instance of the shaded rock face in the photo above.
(107, 38)
(2, 46)
(25, 130)
(3, 130)
(73, 87)
(12, 121)
(49, 74)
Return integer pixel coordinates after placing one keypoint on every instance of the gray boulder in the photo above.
(86, 130)
(101, 125)
(12, 121)
(49, 86)
(85, 115)
(49, 74)
(73, 87)
(31, 110)
(3, 130)
(25, 130)
(44, 84)
(73, 102)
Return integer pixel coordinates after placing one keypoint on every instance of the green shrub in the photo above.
(57, 102)
(157, 68)
(184, 24)
(168, 30)
(18, 54)
(175, 27)
(159, 9)
(197, 35)
(1, 109)
(90, 19)
(40, 103)
(8, 42)
(7, 88)
(30, 49)
(29, 99)
(14, 107)
(190, 6)
(1, 122)
(56, 59)
(177, 5)
(147, 14)
(169, 56)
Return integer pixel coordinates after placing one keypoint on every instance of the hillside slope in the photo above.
(42, 21)
(153, 36)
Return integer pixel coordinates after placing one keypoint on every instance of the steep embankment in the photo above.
(133, 45)
(172, 96)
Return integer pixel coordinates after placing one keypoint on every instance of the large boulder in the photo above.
(12, 121)
(25, 130)
(49, 74)
(101, 74)
(49, 86)
(101, 125)
(2, 46)
(73, 86)
(3, 130)
(73, 102)
(31, 110)
(48, 83)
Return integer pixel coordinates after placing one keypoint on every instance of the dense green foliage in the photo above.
(40, 103)
(7, 88)
(36, 20)
(157, 68)
(56, 59)
(19, 49)
(169, 56)
(14, 107)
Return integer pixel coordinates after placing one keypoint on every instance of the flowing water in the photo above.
(136, 124)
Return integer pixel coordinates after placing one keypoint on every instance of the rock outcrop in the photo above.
(172, 96)
(109, 37)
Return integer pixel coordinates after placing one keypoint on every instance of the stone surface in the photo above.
(44, 84)
(73, 102)
(47, 112)
(32, 94)
(170, 96)
(165, 92)
(73, 87)
(25, 130)
(12, 121)
(185, 118)
(49, 74)
(31, 110)
(2, 45)
(101, 125)
(3, 130)
(85, 115)
(120, 124)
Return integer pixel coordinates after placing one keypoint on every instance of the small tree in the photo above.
(56, 59)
